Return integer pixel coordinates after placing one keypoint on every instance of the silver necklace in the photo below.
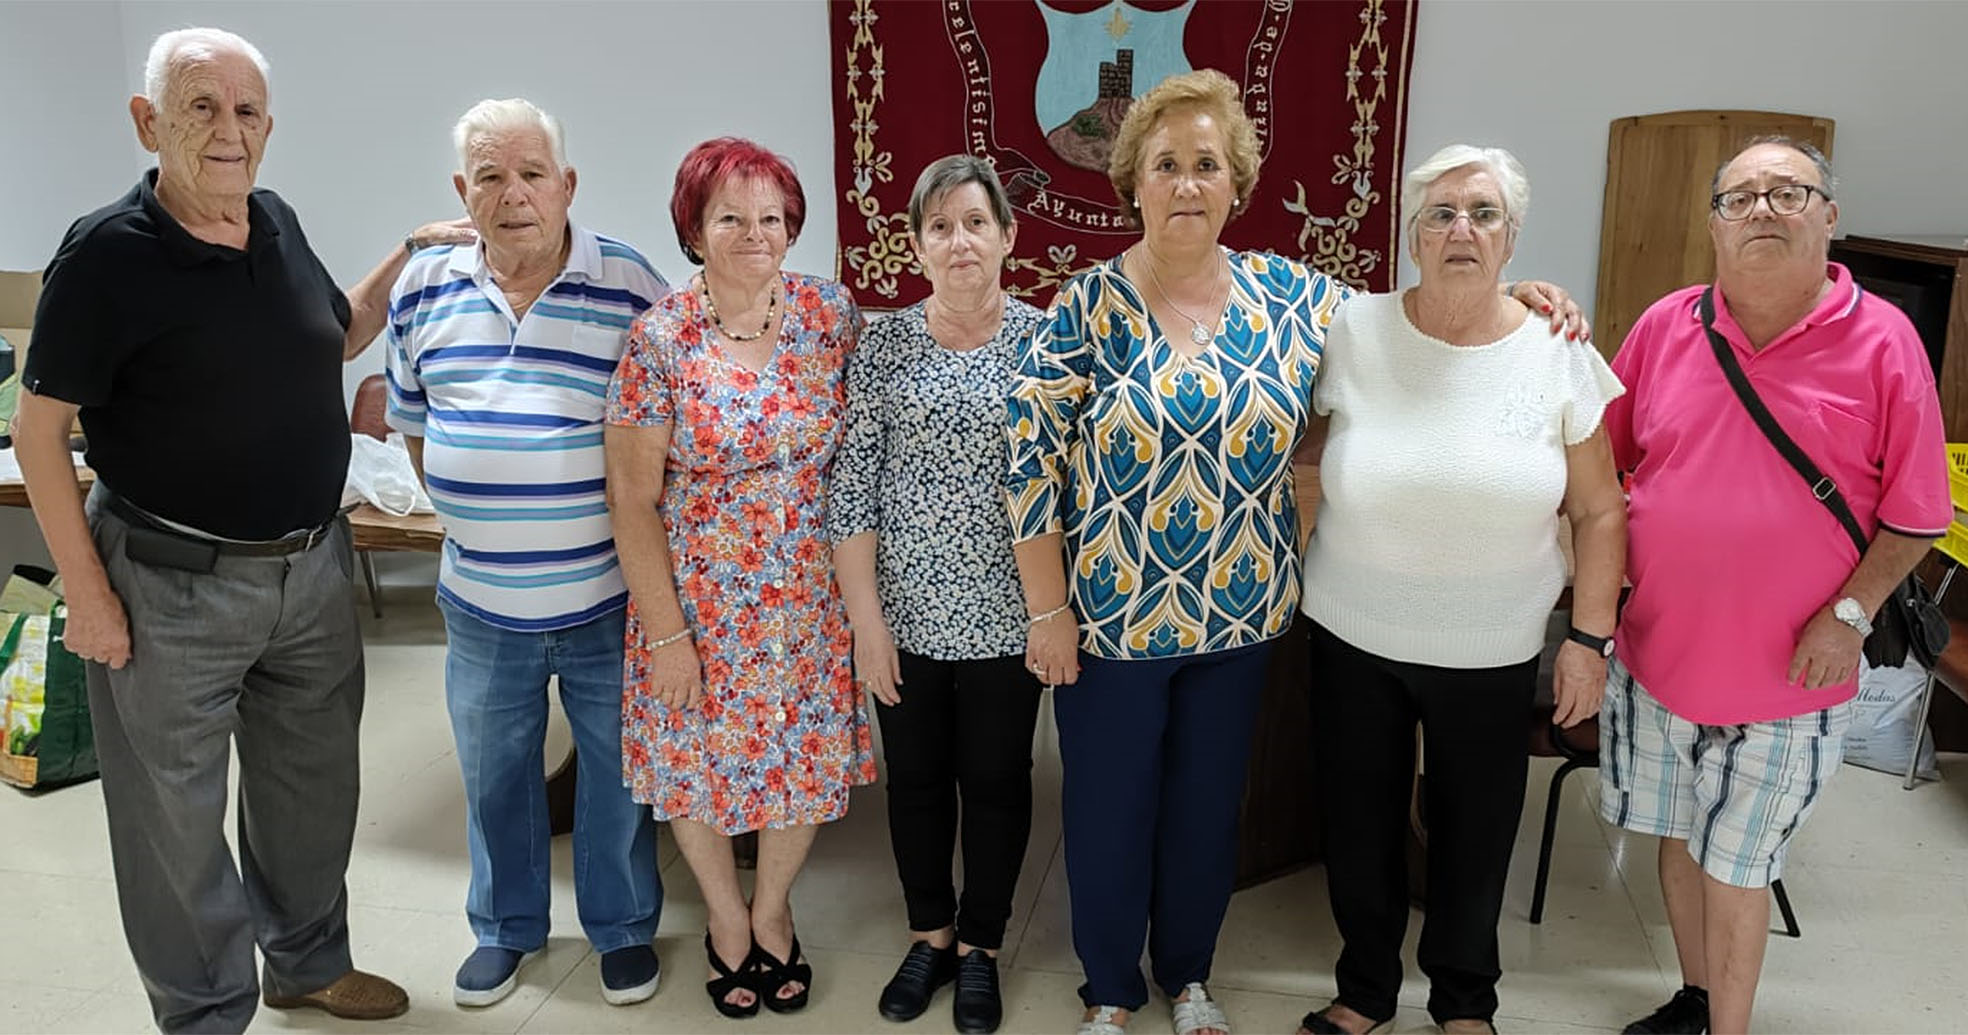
(1198, 333)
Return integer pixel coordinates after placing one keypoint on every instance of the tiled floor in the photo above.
(1877, 880)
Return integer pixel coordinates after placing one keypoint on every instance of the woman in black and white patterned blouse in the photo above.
(923, 554)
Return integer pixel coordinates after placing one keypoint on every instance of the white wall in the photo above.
(64, 133)
(364, 96)
(1546, 79)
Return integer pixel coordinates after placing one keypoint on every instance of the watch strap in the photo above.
(1600, 645)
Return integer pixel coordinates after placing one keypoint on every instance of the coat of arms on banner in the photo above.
(1038, 87)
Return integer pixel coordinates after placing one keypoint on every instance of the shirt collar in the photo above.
(183, 249)
(1838, 303)
(583, 258)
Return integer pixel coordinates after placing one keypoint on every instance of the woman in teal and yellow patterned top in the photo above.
(1152, 425)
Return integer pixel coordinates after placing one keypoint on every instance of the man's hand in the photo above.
(1827, 653)
(449, 231)
(97, 628)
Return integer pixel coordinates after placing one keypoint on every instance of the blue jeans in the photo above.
(495, 683)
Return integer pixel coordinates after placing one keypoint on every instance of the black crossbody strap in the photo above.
(1821, 484)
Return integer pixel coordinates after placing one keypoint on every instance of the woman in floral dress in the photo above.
(740, 707)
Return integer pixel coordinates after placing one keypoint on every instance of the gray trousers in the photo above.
(263, 652)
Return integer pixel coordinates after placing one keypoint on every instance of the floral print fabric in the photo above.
(780, 733)
(922, 466)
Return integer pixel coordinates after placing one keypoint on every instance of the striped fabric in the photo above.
(510, 414)
(1736, 793)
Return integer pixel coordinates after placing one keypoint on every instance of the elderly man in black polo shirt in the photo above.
(201, 342)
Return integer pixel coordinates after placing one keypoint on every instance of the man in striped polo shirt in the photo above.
(498, 366)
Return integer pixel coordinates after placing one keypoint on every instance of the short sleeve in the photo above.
(1629, 366)
(1590, 386)
(408, 407)
(643, 391)
(79, 337)
(1913, 483)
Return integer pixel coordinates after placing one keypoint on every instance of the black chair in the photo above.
(1579, 747)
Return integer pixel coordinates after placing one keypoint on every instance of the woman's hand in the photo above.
(876, 665)
(1052, 649)
(1551, 300)
(676, 677)
(1578, 682)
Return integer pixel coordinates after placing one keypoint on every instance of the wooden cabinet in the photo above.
(1926, 275)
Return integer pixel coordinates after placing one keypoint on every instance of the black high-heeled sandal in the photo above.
(774, 975)
(729, 980)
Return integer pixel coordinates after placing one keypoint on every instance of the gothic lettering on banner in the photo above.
(1038, 88)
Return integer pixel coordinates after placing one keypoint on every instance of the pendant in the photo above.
(1199, 334)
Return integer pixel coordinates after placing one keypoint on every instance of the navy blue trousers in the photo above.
(1154, 754)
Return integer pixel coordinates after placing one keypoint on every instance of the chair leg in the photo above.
(369, 576)
(1919, 727)
(1783, 906)
(1550, 834)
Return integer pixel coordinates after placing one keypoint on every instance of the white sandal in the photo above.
(1102, 1023)
(1198, 1012)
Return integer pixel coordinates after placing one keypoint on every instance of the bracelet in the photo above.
(672, 638)
(410, 244)
(1055, 612)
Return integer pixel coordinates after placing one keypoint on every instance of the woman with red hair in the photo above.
(740, 710)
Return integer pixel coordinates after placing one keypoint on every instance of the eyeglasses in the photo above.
(1786, 199)
(1437, 219)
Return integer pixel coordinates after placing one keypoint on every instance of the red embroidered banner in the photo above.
(1039, 86)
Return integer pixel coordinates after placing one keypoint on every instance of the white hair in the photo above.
(513, 113)
(1500, 164)
(167, 49)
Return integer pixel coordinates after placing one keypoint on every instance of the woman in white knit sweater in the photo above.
(1461, 427)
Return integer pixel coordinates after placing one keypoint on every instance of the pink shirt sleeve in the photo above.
(1913, 481)
(1628, 368)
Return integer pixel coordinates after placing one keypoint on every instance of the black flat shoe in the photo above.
(977, 1009)
(924, 970)
(774, 974)
(1686, 1012)
(729, 980)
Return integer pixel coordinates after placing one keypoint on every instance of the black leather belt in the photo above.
(295, 543)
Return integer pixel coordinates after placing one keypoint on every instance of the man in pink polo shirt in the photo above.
(1738, 652)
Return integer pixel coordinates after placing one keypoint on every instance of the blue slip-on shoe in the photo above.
(629, 975)
(488, 975)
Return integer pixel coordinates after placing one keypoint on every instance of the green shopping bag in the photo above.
(46, 699)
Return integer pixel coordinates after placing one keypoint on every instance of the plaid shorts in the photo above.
(1736, 794)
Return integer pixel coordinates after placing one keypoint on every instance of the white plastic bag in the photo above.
(1882, 730)
(380, 472)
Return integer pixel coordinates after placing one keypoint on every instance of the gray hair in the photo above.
(168, 49)
(947, 174)
(513, 113)
(1500, 164)
(1802, 147)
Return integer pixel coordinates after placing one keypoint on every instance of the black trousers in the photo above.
(963, 731)
(1474, 721)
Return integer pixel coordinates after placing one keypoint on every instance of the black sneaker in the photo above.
(924, 970)
(1686, 1013)
(977, 1010)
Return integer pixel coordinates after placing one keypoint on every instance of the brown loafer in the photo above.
(355, 996)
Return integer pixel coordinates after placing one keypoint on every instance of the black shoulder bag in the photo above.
(1909, 621)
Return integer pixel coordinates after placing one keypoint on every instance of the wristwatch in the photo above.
(1852, 613)
(1600, 645)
